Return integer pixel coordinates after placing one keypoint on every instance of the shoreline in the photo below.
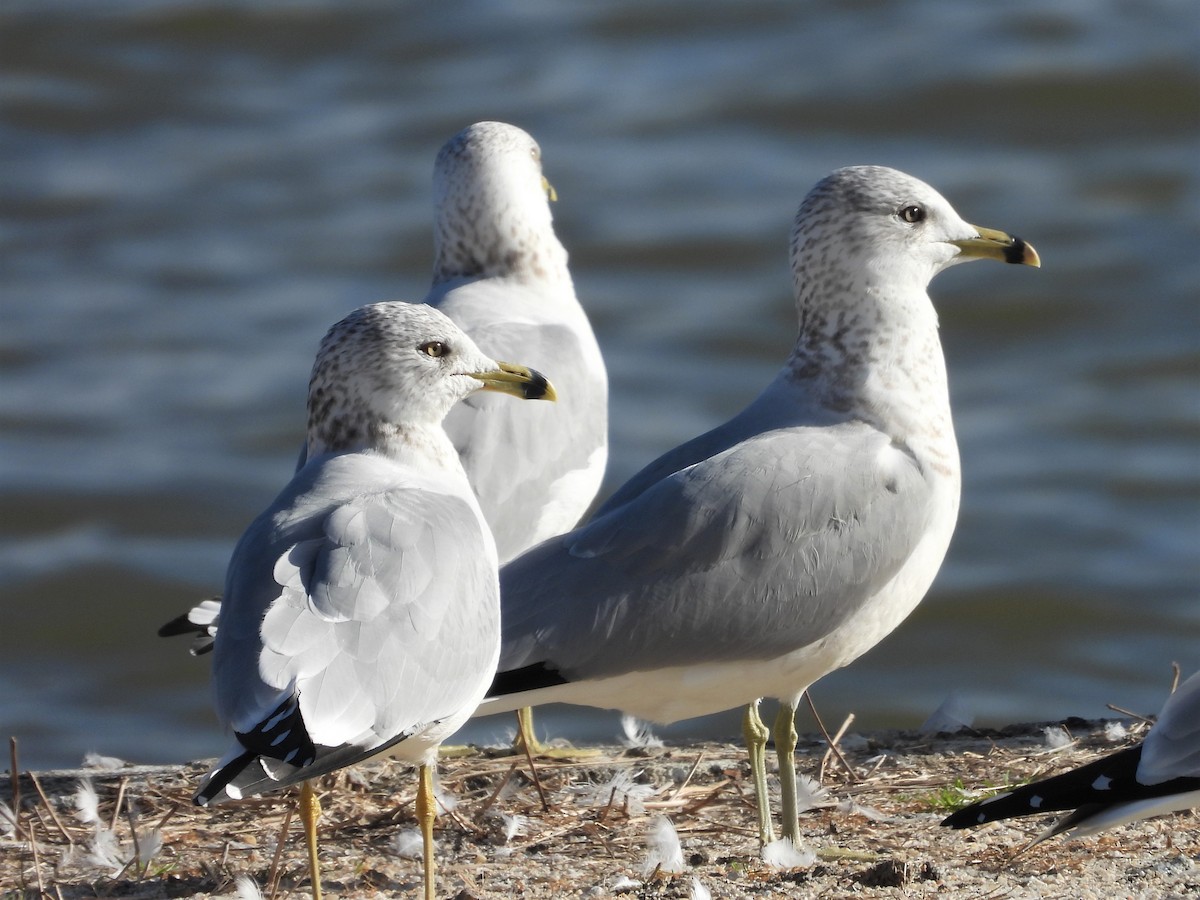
(876, 837)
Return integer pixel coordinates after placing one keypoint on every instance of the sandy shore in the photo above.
(873, 837)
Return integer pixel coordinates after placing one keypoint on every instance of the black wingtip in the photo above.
(178, 625)
(203, 637)
(967, 817)
(221, 779)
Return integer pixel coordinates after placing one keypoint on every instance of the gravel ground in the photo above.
(874, 837)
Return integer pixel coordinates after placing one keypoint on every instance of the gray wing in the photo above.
(778, 406)
(1172, 748)
(756, 551)
(535, 467)
(377, 609)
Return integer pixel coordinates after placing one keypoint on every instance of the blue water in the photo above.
(191, 192)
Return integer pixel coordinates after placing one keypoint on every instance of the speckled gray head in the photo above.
(491, 207)
(864, 229)
(389, 368)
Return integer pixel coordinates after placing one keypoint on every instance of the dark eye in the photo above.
(912, 214)
(434, 349)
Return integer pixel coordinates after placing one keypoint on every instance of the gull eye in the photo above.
(435, 349)
(913, 214)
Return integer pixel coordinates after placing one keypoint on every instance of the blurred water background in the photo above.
(191, 192)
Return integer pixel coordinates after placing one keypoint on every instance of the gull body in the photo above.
(501, 274)
(361, 610)
(1158, 776)
(783, 544)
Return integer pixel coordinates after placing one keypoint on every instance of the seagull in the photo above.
(1158, 776)
(500, 273)
(781, 545)
(361, 610)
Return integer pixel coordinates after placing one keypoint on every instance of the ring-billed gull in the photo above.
(1158, 776)
(783, 544)
(501, 274)
(361, 611)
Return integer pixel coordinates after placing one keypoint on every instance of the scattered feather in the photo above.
(87, 804)
(878, 761)
(853, 742)
(849, 807)
(509, 790)
(953, 715)
(782, 854)
(247, 888)
(699, 891)
(446, 801)
(105, 852)
(638, 733)
(408, 843)
(1115, 731)
(1057, 737)
(149, 845)
(665, 852)
(809, 794)
(502, 740)
(625, 883)
(8, 819)
(103, 763)
(514, 826)
(621, 791)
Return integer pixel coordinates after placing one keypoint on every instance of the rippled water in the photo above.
(191, 192)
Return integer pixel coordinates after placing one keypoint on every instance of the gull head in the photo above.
(395, 369)
(492, 206)
(869, 230)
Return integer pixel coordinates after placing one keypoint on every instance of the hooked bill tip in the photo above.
(1020, 252)
(537, 387)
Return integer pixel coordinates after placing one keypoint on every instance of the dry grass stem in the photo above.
(499, 843)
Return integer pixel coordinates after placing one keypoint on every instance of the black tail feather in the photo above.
(528, 678)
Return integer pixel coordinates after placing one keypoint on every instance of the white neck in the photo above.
(882, 362)
(427, 447)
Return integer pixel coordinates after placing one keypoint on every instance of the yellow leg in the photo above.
(756, 735)
(426, 812)
(526, 742)
(785, 748)
(310, 813)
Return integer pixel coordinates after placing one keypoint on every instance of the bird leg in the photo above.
(756, 735)
(527, 742)
(426, 812)
(785, 748)
(310, 813)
